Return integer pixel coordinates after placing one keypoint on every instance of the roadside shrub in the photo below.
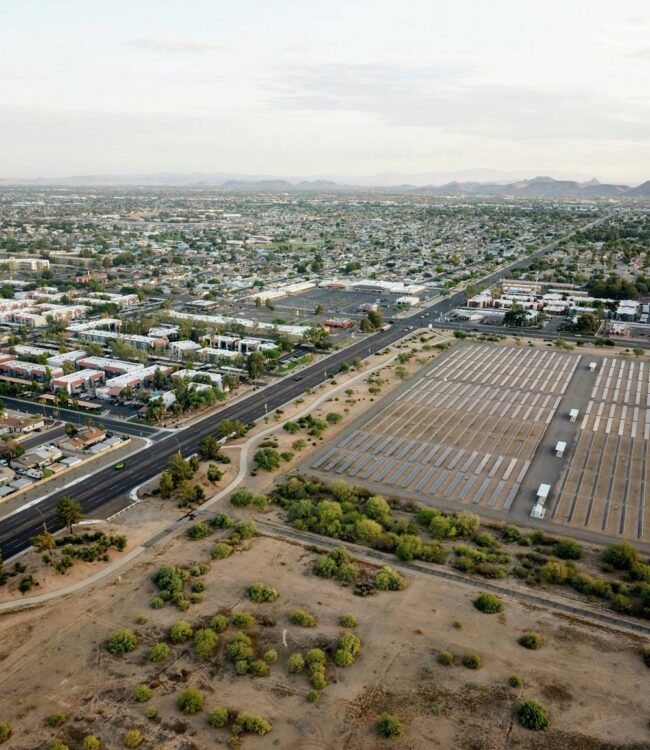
(302, 618)
(348, 620)
(555, 571)
(532, 715)
(532, 641)
(221, 550)
(133, 738)
(243, 620)
(219, 623)
(199, 530)
(90, 742)
(514, 681)
(222, 521)
(121, 642)
(181, 632)
(56, 720)
(567, 549)
(621, 555)
(141, 693)
(259, 593)
(244, 530)
(388, 579)
(511, 534)
(206, 643)
(218, 717)
(489, 604)
(191, 701)
(445, 658)
(295, 664)
(250, 723)
(389, 726)
(622, 604)
(472, 661)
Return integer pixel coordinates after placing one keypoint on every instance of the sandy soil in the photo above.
(591, 680)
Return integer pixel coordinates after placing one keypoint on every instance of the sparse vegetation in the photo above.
(489, 604)
(532, 715)
(389, 726)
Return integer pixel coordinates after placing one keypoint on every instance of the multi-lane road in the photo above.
(108, 489)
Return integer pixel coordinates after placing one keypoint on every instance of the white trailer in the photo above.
(573, 415)
(560, 448)
(542, 493)
(538, 511)
(593, 366)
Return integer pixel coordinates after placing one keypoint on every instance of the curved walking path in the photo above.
(245, 448)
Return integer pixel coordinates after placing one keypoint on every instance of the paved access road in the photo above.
(110, 487)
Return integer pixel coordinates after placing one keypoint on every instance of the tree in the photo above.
(69, 512)
(10, 449)
(267, 459)
(70, 429)
(209, 448)
(179, 469)
(376, 319)
(255, 365)
(166, 485)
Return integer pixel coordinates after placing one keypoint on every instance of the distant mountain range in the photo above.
(541, 187)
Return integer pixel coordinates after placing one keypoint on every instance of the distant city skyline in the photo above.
(343, 91)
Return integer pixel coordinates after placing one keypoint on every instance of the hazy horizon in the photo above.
(343, 92)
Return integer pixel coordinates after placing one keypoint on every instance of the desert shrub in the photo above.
(121, 642)
(472, 661)
(181, 632)
(270, 656)
(5, 731)
(317, 677)
(489, 604)
(250, 723)
(348, 620)
(222, 521)
(645, 655)
(206, 643)
(90, 742)
(191, 701)
(567, 549)
(433, 552)
(532, 715)
(219, 623)
(445, 658)
(514, 681)
(244, 530)
(141, 693)
(555, 571)
(389, 726)
(259, 668)
(343, 658)
(621, 555)
(325, 567)
(622, 604)
(485, 539)
(242, 666)
(218, 717)
(239, 647)
(259, 593)
(302, 618)
(56, 720)
(150, 712)
(511, 534)
(157, 602)
(221, 550)
(197, 587)
(315, 656)
(199, 530)
(347, 649)
(388, 579)
(56, 745)
(133, 738)
(295, 664)
(347, 573)
(244, 620)
(532, 641)
(312, 696)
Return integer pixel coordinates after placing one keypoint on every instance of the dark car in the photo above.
(297, 377)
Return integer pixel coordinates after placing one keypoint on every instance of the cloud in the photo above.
(641, 54)
(451, 99)
(168, 45)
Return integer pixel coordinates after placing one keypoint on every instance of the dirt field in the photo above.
(54, 659)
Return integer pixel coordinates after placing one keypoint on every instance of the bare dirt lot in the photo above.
(54, 659)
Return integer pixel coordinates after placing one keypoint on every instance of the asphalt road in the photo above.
(110, 485)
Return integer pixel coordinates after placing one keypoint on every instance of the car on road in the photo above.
(119, 466)
(297, 377)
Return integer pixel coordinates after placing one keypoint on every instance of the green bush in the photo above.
(259, 668)
(317, 677)
(239, 647)
(295, 664)
(244, 620)
(259, 593)
(489, 604)
(55, 745)
(472, 661)
(567, 549)
(312, 696)
(133, 738)
(315, 656)
(445, 658)
(621, 555)
(150, 712)
(325, 567)
(532, 715)
(388, 579)
(141, 693)
(206, 643)
(302, 618)
(56, 720)
(222, 521)
(514, 681)
(533, 641)
(90, 742)
(191, 701)
(250, 723)
(389, 726)
(347, 573)
(199, 530)
(221, 550)
(218, 717)
(181, 632)
(121, 642)
(348, 620)
(270, 656)
(5, 731)
(219, 623)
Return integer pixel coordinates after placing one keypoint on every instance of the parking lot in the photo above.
(605, 486)
(465, 431)
(341, 301)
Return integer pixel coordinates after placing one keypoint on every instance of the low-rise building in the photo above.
(78, 382)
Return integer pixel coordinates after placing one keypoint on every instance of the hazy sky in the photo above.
(298, 87)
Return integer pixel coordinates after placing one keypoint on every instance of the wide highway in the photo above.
(109, 485)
